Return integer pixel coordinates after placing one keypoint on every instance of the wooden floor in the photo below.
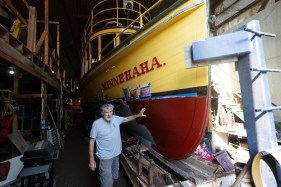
(71, 169)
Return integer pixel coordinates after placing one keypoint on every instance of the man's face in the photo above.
(107, 114)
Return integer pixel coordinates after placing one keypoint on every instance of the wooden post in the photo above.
(46, 28)
(58, 40)
(99, 48)
(31, 34)
(16, 91)
(15, 126)
(90, 57)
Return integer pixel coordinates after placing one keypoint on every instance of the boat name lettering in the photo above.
(132, 73)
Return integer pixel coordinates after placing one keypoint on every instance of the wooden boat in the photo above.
(135, 61)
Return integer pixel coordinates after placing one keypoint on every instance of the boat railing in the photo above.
(125, 20)
(99, 17)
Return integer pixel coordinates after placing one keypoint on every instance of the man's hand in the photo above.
(141, 112)
(92, 165)
(133, 117)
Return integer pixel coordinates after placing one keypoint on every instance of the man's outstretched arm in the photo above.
(131, 118)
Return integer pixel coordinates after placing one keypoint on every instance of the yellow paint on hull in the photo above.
(166, 43)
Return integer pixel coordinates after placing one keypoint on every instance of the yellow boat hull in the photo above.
(178, 108)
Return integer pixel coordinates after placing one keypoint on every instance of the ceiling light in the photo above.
(11, 70)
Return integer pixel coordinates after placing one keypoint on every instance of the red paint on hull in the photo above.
(176, 124)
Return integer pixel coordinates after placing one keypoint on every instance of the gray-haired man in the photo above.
(106, 133)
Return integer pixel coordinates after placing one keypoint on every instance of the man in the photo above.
(106, 133)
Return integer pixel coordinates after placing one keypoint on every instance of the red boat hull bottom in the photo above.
(176, 125)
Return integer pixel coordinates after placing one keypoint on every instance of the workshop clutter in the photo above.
(204, 152)
(7, 102)
(4, 170)
(227, 119)
(224, 160)
(7, 109)
(142, 91)
(5, 125)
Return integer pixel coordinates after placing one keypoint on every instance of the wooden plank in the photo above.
(207, 166)
(129, 172)
(20, 143)
(185, 169)
(142, 178)
(31, 29)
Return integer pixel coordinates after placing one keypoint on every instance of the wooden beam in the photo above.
(14, 57)
(58, 40)
(41, 40)
(42, 21)
(31, 96)
(46, 28)
(223, 6)
(14, 10)
(234, 10)
(49, 22)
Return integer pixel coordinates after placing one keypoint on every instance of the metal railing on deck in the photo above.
(102, 17)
